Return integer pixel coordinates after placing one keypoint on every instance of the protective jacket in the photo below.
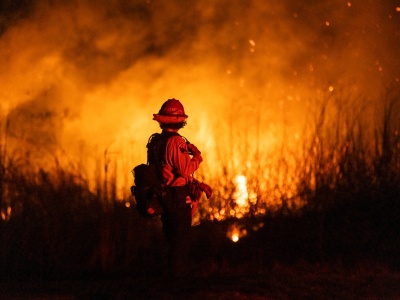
(173, 154)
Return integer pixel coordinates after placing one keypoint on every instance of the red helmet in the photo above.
(171, 111)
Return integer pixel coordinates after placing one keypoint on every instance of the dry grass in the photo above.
(60, 228)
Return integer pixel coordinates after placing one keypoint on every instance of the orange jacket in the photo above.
(179, 165)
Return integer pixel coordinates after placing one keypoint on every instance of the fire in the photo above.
(235, 232)
(235, 237)
(240, 202)
(241, 196)
(238, 230)
(87, 95)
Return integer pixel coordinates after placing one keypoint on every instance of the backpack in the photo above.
(148, 189)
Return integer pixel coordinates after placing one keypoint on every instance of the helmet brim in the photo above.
(169, 119)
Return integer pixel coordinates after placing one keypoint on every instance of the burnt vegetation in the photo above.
(53, 225)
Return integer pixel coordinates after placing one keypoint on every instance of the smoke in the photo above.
(82, 78)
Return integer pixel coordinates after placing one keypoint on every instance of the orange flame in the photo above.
(235, 232)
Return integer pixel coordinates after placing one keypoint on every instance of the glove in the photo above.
(206, 189)
(193, 150)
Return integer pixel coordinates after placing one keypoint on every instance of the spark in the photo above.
(349, 4)
(398, 8)
(253, 44)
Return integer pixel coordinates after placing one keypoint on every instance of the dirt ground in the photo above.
(280, 282)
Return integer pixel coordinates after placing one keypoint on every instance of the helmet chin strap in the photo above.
(171, 129)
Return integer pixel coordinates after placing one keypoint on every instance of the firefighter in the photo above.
(176, 160)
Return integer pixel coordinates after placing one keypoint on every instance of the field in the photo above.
(260, 265)
(334, 234)
(280, 282)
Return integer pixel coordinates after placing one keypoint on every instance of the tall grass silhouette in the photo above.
(335, 198)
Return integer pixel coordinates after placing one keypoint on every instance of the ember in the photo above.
(235, 232)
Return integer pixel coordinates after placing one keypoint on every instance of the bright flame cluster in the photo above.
(242, 196)
(237, 231)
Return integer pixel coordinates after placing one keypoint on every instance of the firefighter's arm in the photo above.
(206, 189)
(195, 152)
(178, 157)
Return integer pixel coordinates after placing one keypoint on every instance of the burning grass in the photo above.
(335, 200)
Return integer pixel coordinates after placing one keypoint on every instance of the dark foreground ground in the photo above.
(281, 282)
